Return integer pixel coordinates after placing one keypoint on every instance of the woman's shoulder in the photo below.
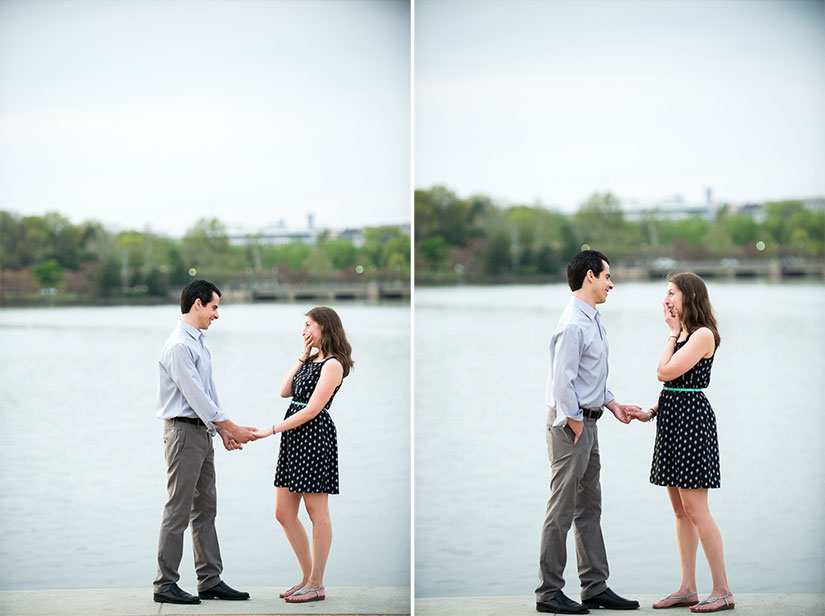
(332, 363)
(704, 337)
(703, 333)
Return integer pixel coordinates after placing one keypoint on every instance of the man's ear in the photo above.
(197, 304)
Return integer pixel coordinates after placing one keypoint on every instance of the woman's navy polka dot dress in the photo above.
(686, 454)
(308, 458)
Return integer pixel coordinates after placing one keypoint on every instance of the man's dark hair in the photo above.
(581, 263)
(200, 289)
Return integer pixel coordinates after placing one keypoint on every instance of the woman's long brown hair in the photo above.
(334, 341)
(696, 309)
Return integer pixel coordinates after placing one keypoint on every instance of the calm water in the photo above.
(481, 469)
(83, 481)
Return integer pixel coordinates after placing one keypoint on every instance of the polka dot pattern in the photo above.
(308, 457)
(686, 454)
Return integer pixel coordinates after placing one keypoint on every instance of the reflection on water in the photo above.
(83, 479)
(482, 475)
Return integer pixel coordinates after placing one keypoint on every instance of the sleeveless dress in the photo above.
(686, 454)
(308, 457)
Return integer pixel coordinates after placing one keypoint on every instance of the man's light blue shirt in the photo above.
(578, 363)
(186, 388)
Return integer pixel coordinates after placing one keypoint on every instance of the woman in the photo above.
(686, 454)
(308, 459)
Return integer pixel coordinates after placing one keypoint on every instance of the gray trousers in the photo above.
(575, 498)
(190, 482)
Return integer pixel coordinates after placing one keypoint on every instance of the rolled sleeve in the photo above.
(608, 396)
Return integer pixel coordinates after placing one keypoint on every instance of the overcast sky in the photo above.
(157, 113)
(550, 101)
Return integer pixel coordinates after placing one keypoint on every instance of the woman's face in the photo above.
(314, 330)
(673, 299)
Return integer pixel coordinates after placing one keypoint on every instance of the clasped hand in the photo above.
(244, 434)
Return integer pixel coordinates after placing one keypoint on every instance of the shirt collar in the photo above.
(587, 309)
(191, 330)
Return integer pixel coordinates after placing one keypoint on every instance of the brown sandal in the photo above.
(305, 591)
(727, 606)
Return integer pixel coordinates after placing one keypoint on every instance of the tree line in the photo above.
(48, 254)
(474, 238)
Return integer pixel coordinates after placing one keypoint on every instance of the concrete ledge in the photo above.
(753, 605)
(370, 601)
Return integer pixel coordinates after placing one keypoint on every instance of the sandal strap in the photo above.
(305, 591)
(680, 596)
(715, 599)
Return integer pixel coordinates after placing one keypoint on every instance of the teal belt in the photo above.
(679, 389)
(299, 403)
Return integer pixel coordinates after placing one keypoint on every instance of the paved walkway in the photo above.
(346, 601)
(138, 602)
(752, 605)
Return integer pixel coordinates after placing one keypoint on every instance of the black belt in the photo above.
(592, 413)
(190, 420)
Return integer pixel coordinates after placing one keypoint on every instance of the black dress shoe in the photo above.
(611, 601)
(175, 595)
(222, 591)
(561, 604)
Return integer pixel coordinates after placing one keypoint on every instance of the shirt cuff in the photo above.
(561, 419)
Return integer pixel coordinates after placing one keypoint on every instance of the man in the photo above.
(188, 404)
(576, 392)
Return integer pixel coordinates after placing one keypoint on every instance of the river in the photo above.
(84, 481)
(481, 468)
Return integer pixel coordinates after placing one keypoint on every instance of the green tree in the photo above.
(34, 240)
(599, 222)
(319, 263)
(741, 228)
(778, 216)
(438, 211)
(340, 252)
(293, 255)
(382, 242)
(63, 240)
(433, 252)
(107, 278)
(10, 238)
(156, 283)
(48, 273)
(497, 255)
(206, 244)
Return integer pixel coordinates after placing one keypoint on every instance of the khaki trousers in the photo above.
(575, 498)
(190, 482)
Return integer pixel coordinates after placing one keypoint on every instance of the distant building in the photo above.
(279, 234)
(272, 235)
(674, 208)
(754, 210)
(355, 236)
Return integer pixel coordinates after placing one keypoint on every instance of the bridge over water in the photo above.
(773, 269)
(319, 293)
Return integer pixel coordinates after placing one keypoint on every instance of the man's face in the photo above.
(602, 284)
(208, 313)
